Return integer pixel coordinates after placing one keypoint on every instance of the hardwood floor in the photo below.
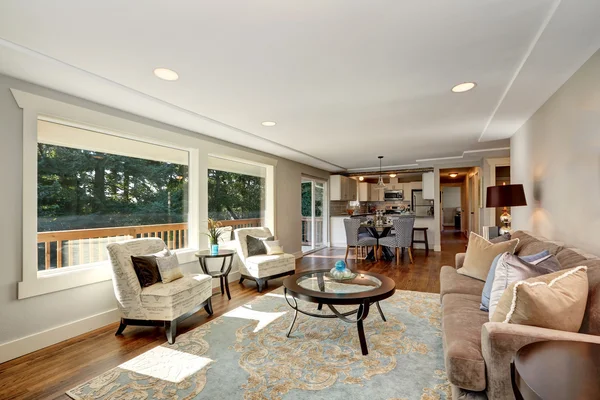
(48, 373)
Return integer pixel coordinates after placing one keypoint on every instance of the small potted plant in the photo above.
(215, 230)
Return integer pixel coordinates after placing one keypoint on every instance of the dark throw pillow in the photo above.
(256, 245)
(146, 268)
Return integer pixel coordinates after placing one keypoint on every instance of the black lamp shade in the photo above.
(505, 196)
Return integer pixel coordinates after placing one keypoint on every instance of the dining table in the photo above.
(378, 231)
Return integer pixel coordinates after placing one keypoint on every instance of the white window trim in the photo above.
(34, 284)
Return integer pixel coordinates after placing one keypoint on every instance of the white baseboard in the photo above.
(31, 343)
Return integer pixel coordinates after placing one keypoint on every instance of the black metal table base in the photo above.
(222, 274)
(361, 314)
(386, 254)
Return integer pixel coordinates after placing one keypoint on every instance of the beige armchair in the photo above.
(263, 267)
(162, 304)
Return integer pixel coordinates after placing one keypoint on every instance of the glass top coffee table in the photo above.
(366, 289)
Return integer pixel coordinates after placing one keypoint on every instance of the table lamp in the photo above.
(505, 196)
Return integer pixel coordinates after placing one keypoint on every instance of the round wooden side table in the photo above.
(223, 273)
(557, 370)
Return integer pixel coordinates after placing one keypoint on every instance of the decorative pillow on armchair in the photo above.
(169, 268)
(146, 268)
(273, 247)
(481, 254)
(552, 301)
(256, 245)
(511, 268)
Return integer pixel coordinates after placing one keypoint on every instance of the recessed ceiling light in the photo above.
(361, 178)
(453, 175)
(166, 74)
(392, 175)
(463, 87)
(269, 123)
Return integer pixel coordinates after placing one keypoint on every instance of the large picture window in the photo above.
(236, 193)
(94, 189)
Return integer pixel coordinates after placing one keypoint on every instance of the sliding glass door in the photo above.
(314, 214)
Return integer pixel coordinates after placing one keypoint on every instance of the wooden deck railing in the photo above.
(60, 249)
(307, 230)
(241, 223)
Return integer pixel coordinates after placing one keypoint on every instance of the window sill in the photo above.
(57, 280)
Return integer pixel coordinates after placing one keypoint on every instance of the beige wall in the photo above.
(289, 203)
(30, 316)
(556, 154)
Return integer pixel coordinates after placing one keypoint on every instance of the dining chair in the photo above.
(356, 241)
(402, 238)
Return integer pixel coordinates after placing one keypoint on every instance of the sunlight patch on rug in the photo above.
(263, 318)
(166, 364)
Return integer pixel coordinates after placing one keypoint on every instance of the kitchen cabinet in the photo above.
(376, 194)
(364, 191)
(428, 186)
(338, 232)
(342, 188)
(351, 189)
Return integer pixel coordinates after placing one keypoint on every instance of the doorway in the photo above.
(451, 205)
(454, 205)
(314, 214)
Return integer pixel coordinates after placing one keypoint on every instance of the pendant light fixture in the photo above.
(380, 185)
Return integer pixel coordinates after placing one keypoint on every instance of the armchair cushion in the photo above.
(168, 301)
(269, 265)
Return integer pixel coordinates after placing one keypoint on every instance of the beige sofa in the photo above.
(478, 353)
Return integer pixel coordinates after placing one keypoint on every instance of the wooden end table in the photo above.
(557, 370)
(223, 273)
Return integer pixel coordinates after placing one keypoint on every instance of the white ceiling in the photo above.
(346, 80)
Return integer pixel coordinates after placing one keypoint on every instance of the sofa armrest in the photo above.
(499, 344)
(459, 259)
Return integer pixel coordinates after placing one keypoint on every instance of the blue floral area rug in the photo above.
(245, 354)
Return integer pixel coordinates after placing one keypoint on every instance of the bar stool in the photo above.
(425, 239)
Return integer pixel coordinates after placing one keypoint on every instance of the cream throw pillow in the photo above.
(481, 253)
(553, 301)
(273, 247)
(169, 268)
